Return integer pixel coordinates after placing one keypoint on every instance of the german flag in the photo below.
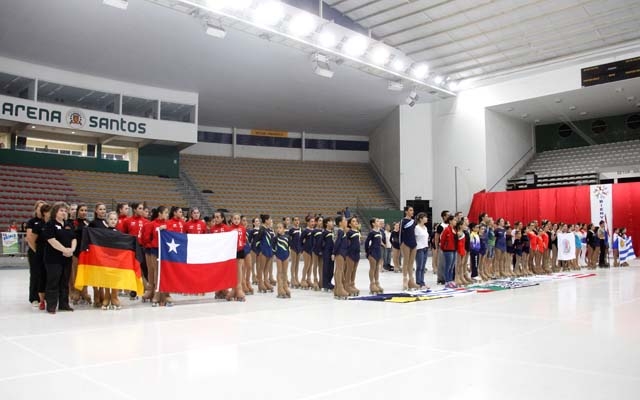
(109, 259)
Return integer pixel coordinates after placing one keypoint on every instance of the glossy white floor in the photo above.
(570, 339)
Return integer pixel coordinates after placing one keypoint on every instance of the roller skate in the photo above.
(412, 285)
(272, 282)
(315, 286)
(379, 288)
(304, 285)
(287, 292)
(240, 295)
(74, 296)
(220, 295)
(155, 300)
(231, 295)
(353, 291)
(373, 289)
(106, 301)
(148, 294)
(115, 301)
(268, 286)
(281, 293)
(261, 287)
(98, 297)
(247, 289)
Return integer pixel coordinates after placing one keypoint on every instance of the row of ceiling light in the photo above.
(325, 36)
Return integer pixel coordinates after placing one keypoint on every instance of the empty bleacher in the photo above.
(282, 187)
(21, 187)
(112, 188)
(578, 165)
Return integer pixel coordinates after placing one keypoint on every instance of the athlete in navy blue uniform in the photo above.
(255, 250)
(373, 250)
(281, 249)
(307, 248)
(340, 250)
(327, 255)
(316, 257)
(265, 260)
(408, 247)
(295, 247)
(353, 255)
(246, 267)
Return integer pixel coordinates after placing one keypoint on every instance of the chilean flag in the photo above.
(197, 263)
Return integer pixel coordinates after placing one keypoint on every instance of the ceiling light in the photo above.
(269, 13)
(395, 86)
(380, 55)
(583, 113)
(302, 24)
(398, 65)
(73, 132)
(215, 31)
(453, 85)
(33, 127)
(121, 4)
(537, 121)
(510, 109)
(438, 80)
(620, 90)
(630, 99)
(320, 63)
(356, 45)
(412, 99)
(420, 71)
(558, 100)
(525, 115)
(327, 39)
(572, 108)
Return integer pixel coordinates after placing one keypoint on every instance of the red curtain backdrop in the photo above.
(565, 204)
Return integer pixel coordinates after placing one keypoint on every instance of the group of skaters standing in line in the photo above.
(328, 248)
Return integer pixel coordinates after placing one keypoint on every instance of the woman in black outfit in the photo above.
(37, 278)
(61, 243)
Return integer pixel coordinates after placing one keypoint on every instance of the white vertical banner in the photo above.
(566, 246)
(602, 206)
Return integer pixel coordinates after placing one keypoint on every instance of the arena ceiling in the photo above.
(252, 82)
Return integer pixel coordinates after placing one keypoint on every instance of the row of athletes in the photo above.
(258, 246)
(496, 249)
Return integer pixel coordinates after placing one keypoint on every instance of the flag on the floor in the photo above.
(566, 246)
(109, 259)
(625, 247)
(197, 263)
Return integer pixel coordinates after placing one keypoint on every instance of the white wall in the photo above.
(384, 151)
(416, 149)
(510, 144)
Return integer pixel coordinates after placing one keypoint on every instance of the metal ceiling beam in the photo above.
(541, 36)
(401, 17)
(543, 51)
(361, 6)
(385, 10)
(463, 25)
(337, 3)
(475, 35)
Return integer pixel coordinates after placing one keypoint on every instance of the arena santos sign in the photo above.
(55, 115)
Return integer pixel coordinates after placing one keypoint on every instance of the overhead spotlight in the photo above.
(537, 121)
(453, 85)
(379, 55)
(525, 115)
(584, 112)
(398, 65)
(572, 108)
(302, 24)
(509, 109)
(327, 38)
(121, 4)
(438, 80)
(412, 99)
(630, 99)
(215, 31)
(320, 63)
(33, 127)
(356, 45)
(269, 13)
(420, 71)
(558, 100)
(395, 86)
